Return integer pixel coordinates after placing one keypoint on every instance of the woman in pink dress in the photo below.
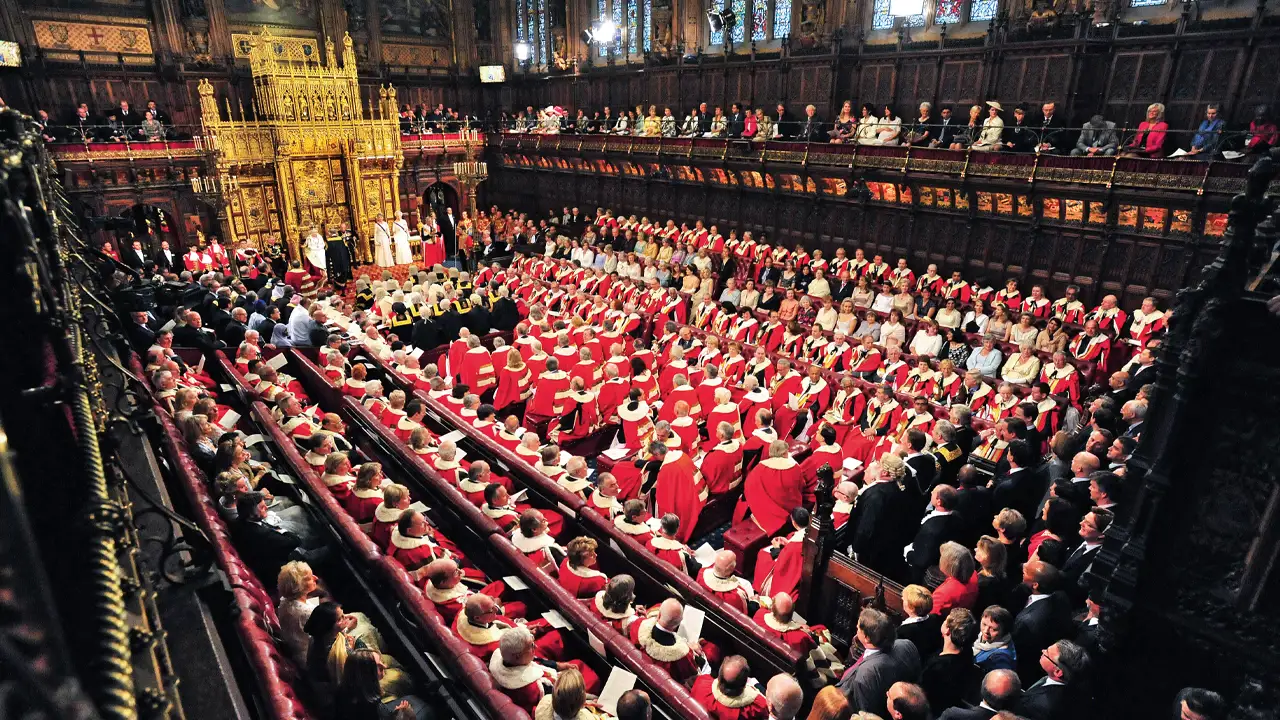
(432, 242)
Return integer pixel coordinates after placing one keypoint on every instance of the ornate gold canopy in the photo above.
(307, 153)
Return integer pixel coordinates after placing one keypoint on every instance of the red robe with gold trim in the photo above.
(793, 633)
(772, 490)
(669, 549)
(680, 490)
(722, 467)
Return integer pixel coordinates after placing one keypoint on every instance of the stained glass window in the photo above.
(947, 12)
(741, 18)
(914, 20)
(544, 56)
(603, 9)
(531, 34)
(781, 18)
(519, 22)
(617, 23)
(759, 15)
(717, 37)
(648, 25)
(633, 26)
(985, 10)
(1147, 3)
(880, 17)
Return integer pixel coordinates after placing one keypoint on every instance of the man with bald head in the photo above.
(785, 697)
(844, 495)
(1001, 691)
(780, 621)
(480, 624)
(729, 696)
(658, 637)
(635, 705)
(444, 588)
(906, 701)
(721, 581)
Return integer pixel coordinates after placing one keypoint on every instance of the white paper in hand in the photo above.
(200, 365)
(515, 583)
(653, 523)
(229, 420)
(252, 440)
(452, 437)
(168, 326)
(705, 555)
(619, 682)
(520, 496)
(417, 353)
(616, 453)
(225, 387)
(565, 457)
(691, 626)
(278, 361)
(420, 507)
(556, 620)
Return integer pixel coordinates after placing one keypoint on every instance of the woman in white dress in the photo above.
(992, 129)
(382, 243)
(400, 234)
(315, 250)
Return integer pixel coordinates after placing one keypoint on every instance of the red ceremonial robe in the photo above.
(793, 633)
(511, 385)
(750, 404)
(781, 574)
(772, 490)
(669, 549)
(680, 490)
(637, 428)
(678, 658)
(734, 591)
(581, 582)
(619, 620)
(751, 704)
(722, 467)
(612, 394)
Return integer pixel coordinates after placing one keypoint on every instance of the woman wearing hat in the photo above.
(992, 129)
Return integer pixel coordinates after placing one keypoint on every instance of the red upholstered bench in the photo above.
(745, 540)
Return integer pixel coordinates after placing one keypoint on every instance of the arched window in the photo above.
(633, 20)
(945, 12)
(531, 30)
(764, 19)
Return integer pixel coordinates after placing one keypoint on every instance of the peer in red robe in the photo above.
(773, 488)
(667, 649)
(549, 393)
(875, 434)
(680, 490)
(779, 567)
(749, 704)
(611, 395)
(671, 550)
(729, 588)
(722, 466)
(637, 428)
(581, 582)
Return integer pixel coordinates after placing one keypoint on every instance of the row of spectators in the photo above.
(989, 128)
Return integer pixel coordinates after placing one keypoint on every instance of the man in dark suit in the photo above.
(1053, 131)
(136, 258)
(141, 334)
(945, 131)
(811, 127)
(233, 332)
(1045, 619)
(218, 316)
(1001, 690)
(1092, 528)
(1018, 488)
(1086, 634)
(704, 120)
(1083, 465)
(783, 122)
(885, 661)
(961, 418)
(264, 546)
(736, 122)
(941, 525)
(1059, 694)
(166, 261)
(1142, 371)
(193, 334)
(843, 287)
(505, 314)
(920, 626)
(922, 467)
(1018, 136)
(881, 512)
(973, 504)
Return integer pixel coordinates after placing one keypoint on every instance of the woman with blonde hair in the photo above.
(567, 701)
(994, 583)
(1149, 140)
(971, 132)
(989, 139)
(652, 123)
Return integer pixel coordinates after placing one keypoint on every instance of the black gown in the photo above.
(339, 260)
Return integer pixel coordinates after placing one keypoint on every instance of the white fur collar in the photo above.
(528, 545)
(514, 678)
(478, 635)
(583, 572)
(367, 493)
(665, 543)
(336, 480)
(408, 543)
(661, 653)
(782, 463)
(641, 411)
(572, 484)
(748, 696)
(631, 528)
(728, 446)
(436, 595)
(612, 614)
(386, 514)
(719, 584)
